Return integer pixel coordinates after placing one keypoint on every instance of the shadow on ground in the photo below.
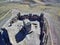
(20, 36)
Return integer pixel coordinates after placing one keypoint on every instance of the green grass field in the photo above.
(2, 0)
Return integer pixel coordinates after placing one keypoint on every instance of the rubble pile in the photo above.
(26, 30)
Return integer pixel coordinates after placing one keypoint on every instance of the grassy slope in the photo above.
(3, 11)
(25, 8)
(2, 0)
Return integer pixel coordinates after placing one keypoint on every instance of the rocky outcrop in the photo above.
(27, 30)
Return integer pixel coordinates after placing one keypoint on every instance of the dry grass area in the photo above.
(3, 11)
(26, 8)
